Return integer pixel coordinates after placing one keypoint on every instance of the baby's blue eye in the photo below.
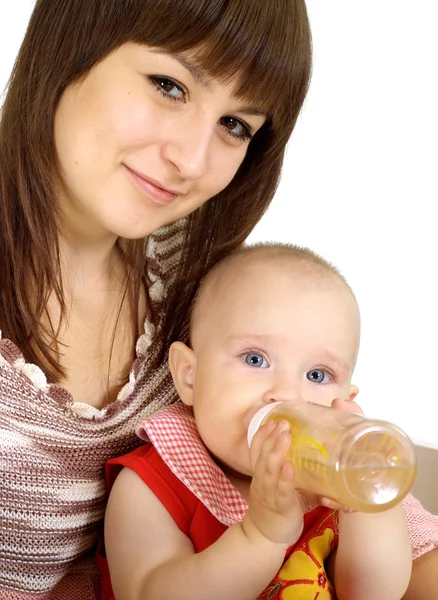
(318, 376)
(255, 360)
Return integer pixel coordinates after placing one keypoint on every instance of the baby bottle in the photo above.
(366, 464)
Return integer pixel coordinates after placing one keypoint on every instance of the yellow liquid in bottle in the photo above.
(371, 489)
(374, 478)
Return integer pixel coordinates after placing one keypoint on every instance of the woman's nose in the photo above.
(189, 147)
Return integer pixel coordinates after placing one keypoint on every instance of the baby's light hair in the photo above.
(306, 261)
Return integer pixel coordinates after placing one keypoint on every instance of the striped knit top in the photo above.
(53, 452)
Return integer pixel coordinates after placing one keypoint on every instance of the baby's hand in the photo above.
(275, 507)
(347, 406)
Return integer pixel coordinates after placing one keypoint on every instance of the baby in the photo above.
(197, 514)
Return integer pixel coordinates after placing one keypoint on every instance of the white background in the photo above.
(360, 186)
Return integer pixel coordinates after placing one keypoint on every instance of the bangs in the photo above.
(262, 47)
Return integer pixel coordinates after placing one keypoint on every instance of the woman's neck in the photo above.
(87, 250)
(90, 264)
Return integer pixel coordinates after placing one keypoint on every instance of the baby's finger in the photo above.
(347, 406)
(272, 456)
(288, 500)
(285, 484)
(258, 440)
(329, 503)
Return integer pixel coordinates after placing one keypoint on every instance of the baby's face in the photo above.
(266, 337)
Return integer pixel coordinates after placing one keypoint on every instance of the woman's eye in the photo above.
(168, 88)
(318, 376)
(236, 128)
(255, 360)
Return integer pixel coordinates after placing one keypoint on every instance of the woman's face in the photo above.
(145, 139)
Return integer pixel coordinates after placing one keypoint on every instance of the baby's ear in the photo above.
(182, 365)
(354, 390)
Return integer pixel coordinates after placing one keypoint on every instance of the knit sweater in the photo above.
(52, 456)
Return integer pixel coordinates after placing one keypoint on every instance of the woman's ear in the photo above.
(354, 390)
(182, 365)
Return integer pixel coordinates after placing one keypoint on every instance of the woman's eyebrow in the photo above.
(200, 78)
(252, 110)
(197, 74)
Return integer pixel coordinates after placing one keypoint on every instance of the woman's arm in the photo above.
(374, 557)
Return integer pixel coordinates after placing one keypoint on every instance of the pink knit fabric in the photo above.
(174, 434)
(423, 527)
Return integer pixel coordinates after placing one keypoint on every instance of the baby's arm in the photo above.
(150, 558)
(424, 580)
(374, 556)
(423, 531)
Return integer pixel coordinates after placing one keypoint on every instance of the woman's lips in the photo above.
(152, 189)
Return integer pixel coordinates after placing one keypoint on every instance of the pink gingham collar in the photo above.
(174, 435)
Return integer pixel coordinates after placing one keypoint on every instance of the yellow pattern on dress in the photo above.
(303, 576)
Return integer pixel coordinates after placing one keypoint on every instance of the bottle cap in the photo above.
(257, 419)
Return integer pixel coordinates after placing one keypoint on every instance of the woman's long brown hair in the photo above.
(265, 42)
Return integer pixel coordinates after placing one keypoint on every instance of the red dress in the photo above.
(203, 503)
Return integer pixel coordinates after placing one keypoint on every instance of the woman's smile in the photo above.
(156, 192)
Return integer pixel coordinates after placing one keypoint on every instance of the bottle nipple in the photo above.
(257, 419)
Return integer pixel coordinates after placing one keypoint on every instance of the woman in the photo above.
(122, 119)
